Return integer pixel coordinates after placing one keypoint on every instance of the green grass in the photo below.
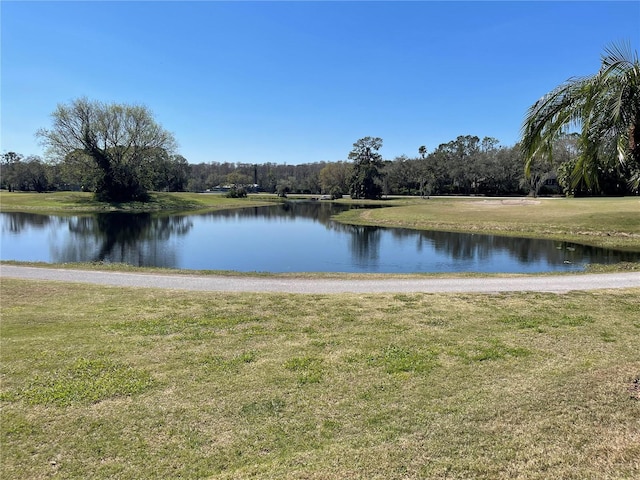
(75, 202)
(106, 382)
(606, 222)
(83, 381)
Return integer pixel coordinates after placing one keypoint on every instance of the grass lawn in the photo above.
(105, 382)
(605, 222)
(74, 202)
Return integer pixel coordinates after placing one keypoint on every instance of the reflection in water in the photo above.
(295, 236)
(15, 222)
(316, 211)
(468, 247)
(365, 244)
(136, 239)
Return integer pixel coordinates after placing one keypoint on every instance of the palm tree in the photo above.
(604, 107)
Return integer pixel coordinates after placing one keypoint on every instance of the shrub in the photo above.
(237, 192)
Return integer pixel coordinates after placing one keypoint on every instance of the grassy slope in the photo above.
(122, 383)
(607, 222)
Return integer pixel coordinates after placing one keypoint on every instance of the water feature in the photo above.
(290, 237)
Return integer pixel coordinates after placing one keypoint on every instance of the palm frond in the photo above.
(605, 107)
(617, 56)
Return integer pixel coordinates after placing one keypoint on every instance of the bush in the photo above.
(282, 190)
(336, 193)
(237, 192)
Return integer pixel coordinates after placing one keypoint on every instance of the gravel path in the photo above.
(556, 283)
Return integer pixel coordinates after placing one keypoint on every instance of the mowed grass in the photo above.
(74, 202)
(106, 382)
(607, 222)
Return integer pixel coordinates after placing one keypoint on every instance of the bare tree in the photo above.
(123, 140)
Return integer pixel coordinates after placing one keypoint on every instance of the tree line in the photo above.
(581, 138)
(467, 165)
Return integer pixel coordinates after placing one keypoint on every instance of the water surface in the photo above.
(293, 237)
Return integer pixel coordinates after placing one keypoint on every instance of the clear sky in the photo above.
(299, 82)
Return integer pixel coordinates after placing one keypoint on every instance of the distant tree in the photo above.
(458, 157)
(308, 179)
(488, 144)
(480, 166)
(10, 163)
(605, 107)
(538, 175)
(123, 141)
(36, 174)
(267, 177)
(334, 179)
(503, 172)
(425, 173)
(171, 173)
(239, 179)
(367, 165)
(400, 176)
(426, 176)
(25, 174)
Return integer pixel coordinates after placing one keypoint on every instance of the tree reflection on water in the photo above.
(159, 240)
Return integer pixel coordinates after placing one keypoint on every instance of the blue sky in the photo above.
(299, 82)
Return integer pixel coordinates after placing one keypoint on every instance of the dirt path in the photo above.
(555, 283)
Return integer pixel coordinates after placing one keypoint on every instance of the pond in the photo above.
(289, 237)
